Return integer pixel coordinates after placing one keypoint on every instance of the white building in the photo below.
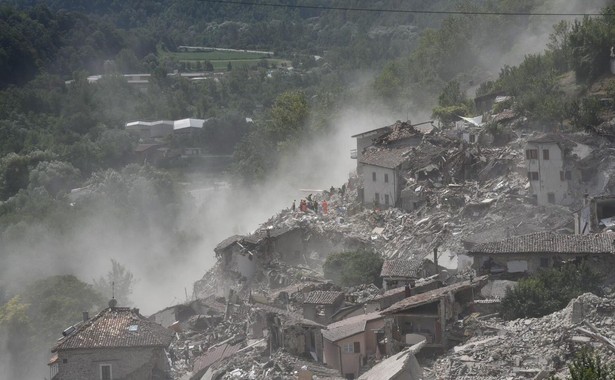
(187, 125)
(380, 156)
(548, 173)
(151, 129)
(379, 169)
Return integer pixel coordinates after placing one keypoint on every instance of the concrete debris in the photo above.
(526, 347)
(456, 194)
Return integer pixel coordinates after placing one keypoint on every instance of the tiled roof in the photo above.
(288, 316)
(399, 131)
(504, 115)
(383, 157)
(227, 242)
(547, 138)
(260, 234)
(349, 327)
(401, 268)
(214, 355)
(323, 297)
(549, 242)
(116, 327)
(432, 295)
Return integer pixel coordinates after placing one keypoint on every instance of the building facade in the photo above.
(118, 343)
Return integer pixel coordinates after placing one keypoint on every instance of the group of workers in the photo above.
(311, 204)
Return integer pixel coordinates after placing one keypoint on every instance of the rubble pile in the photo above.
(465, 194)
(529, 347)
(280, 366)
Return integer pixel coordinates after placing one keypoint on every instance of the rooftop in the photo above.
(349, 327)
(432, 295)
(401, 268)
(214, 355)
(549, 242)
(116, 327)
(384, 157)
(288, 317)
(323, 297)
(188, 123)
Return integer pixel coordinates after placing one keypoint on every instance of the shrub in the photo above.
(549, 290)
(353, 268)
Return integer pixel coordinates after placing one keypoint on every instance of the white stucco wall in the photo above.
(371, 187)
(549, 179)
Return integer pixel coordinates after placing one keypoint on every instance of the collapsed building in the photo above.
(436, 206)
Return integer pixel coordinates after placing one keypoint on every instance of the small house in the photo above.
(530, 253)
(320, 305)
(350, 342)
(427, 315)
(288, 330)
(552, 168)
(400, 272)
(118, 343)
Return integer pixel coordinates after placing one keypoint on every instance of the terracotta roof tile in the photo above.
(384, 157)
(549, 242)
(288, 317)
(214, 355)
(323, 297)
(401, 268)
(349, 327)
(115, 327)
(432, 295)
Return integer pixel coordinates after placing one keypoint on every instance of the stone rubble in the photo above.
(523, 348)
(491, 203)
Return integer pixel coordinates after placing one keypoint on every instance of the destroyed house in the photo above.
(203, 364)
(401, 366)
(287, 330)
(349, 343)
(529, 253)
(427, 315)
(237, 256)
(597, 215)
(118, 343)
(399, 272)
(320, 305)
(380, 155)
(550, 169)
(380, 172)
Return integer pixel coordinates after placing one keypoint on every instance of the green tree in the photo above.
(288, 116)
(353, 268)
(549, 290)
(118, 282)
(54, 176)
(452, 103)
(15, 332)
(587, 365)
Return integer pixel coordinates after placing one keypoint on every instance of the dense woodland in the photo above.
(59, 132)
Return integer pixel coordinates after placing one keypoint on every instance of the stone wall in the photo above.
(126, 363)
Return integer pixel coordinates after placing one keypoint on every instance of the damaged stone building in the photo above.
(530, 253)
(552, 168)
(118, 343)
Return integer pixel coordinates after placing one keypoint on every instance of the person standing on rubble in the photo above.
(325, 207)
(315, 206)
(293, 206)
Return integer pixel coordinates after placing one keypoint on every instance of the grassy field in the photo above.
(221, 59)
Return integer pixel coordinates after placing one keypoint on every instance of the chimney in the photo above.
(435, 259)
(86, 316)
